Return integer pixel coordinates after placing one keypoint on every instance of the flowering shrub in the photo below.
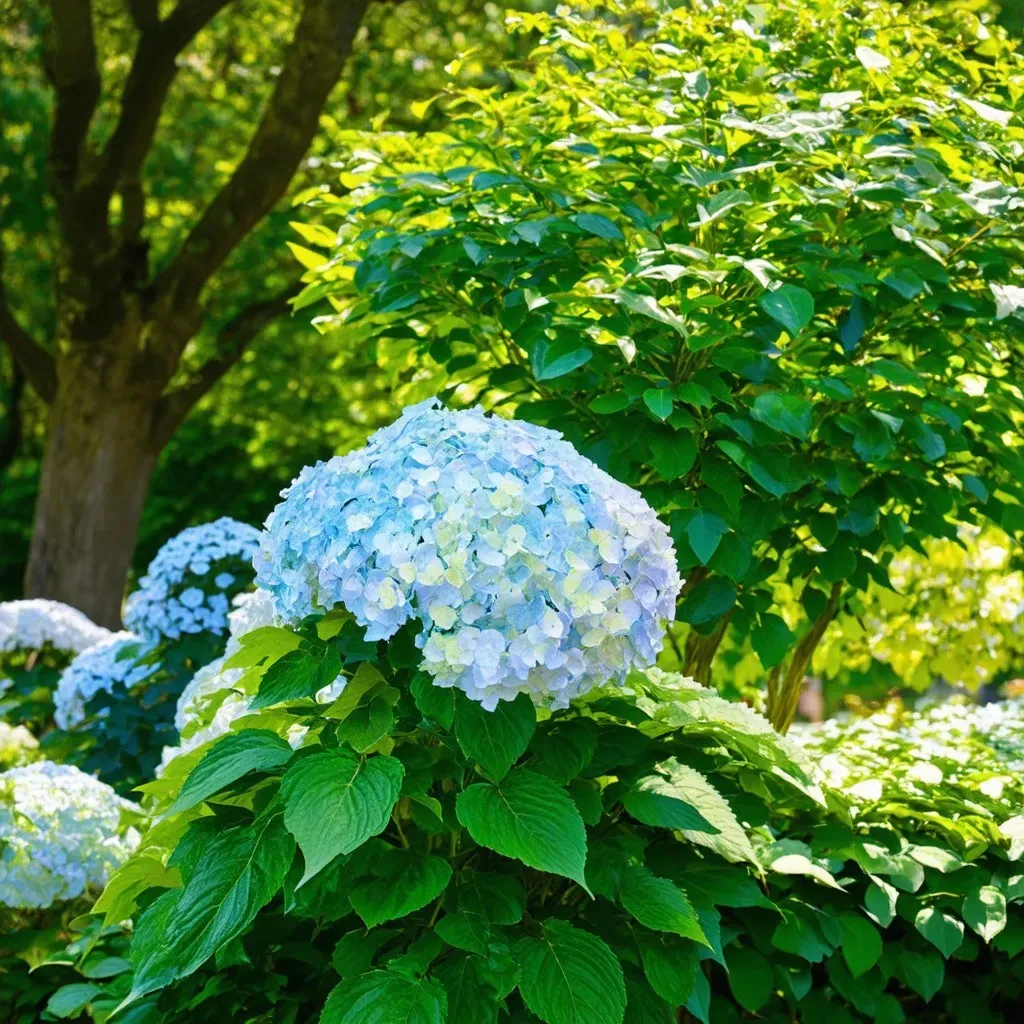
(37, 640)
(33, 625)
(189, 585)
(62, 832)
(530, 569)
(113, 662)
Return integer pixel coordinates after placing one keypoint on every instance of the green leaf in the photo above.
(647, 305)
(942, 930)
(750, 978)
(790, 306)
(237, 871)
(299, 673)
(985, 912)
(571, 977)
(785, 413)
(435, 702)
(659, 401)
(228, 760)
(708, 601)
(383, 997)
(411, 882)
(663, 801)
(771, 639)
(704, 531)
(670, 963)
(551, 359)
(529, 818)
(659, 904)
(71, 1000)
(603, 405)
(923, 972)
(862, 945)
(673, 457)
(599, 225)
(645, 1006)
(334, 802)
(494, 739)
(470, 997)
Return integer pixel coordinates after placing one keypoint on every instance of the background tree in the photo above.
(150, 151)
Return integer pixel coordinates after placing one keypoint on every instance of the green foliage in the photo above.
(648, 848)
(27, 682)
(759, 265)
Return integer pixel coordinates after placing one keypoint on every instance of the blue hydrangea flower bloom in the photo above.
(189, 585)
(110, 663)
(530, 569)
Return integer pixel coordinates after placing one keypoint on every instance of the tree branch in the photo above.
(36, 363)
(319, 48)
(233, 340)
(153, 69)
(70, 62)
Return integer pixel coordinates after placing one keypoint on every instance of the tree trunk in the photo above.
(96, 470)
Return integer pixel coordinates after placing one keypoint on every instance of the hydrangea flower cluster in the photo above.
(189, 585)
(208, 705)
(111, 663)
(17, 746)
(32, 625)
(530, 569)
(62, 833)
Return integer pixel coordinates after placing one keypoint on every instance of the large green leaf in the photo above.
(862, 945)
(942, 930)
(671, 964)
(383, 997)
(985, 911)
(407, 882)
(659, 904)
(571, 977)
(334, 802)
(751, 978)
(235, 872)
(668, 801)
(494, 739)
(229, 759)
(527, 817)
(789, 305)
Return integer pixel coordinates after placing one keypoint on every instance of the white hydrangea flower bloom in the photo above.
(62, 833)
(111, 663)
(189, 585)
(530, 569)
(31, 625)
(17, 746)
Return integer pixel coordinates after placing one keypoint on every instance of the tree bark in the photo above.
(98, 463)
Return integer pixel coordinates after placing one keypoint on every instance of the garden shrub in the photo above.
(37, 640)
(116, 702)
(761, 262)
(61, 834)
(649, 846)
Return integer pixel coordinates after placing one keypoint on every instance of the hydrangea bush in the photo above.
(624, 849)
(62, 833)
(529, 569)
(17, 746)
(189, 585)
(37, 640)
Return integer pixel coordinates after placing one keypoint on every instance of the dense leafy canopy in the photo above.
(764, 269)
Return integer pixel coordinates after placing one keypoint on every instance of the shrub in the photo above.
(762, 266)
(37, 640)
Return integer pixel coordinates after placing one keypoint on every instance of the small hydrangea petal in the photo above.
(530, 569)
(189, 584)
